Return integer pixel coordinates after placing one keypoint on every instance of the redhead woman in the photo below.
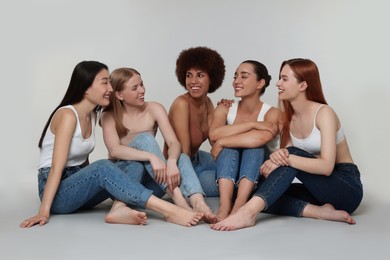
(314, 150)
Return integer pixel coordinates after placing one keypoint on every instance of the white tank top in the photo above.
(273, 145)
(79, 150)
(312, 143)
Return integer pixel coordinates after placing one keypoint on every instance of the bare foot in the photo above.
(327, 212)
(241, 219)
(178, 198)
(223, 211)
(199, 204)
(120, 213)
(183, 217)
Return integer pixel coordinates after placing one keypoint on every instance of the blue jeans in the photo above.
(343, 188)
(85, 187)
(205, 167)
(189, 183)
(237, 163)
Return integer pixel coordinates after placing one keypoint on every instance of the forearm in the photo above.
(230, 130)
(250, 139)
(174, 151)
(317, 166)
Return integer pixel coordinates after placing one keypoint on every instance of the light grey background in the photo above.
(42, 41)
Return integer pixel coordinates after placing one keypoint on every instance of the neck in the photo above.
(84, 109)
(300, 107)
(250, 103)
(198, 102)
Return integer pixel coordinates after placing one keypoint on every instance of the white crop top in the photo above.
(79, 150)
(312, 143)
(273, 145)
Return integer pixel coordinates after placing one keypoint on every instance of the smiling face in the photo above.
(288, 84)
(100, 90)
(245, 81)
(133, 92)
(197, 83)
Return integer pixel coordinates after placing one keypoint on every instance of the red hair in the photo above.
(304, 70)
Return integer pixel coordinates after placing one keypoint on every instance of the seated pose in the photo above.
(240, 134)
(129, 128)
(200, 71)
(67, 182)
(317, 154)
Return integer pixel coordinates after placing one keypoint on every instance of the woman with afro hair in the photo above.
(200, 70)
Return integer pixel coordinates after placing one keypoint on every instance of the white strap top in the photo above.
(312, 143)
(79, 150)
(273, 144)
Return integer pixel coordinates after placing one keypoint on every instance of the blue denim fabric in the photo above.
(85, 187)
(237, 163)
(205, 167)
(343, 188)
(189, 184)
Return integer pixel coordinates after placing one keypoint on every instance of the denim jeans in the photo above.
(343, 188)
(189, 183)
(85, 187)
(237, 163)
(205, 168)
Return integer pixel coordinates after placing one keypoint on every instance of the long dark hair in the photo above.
(82, 78)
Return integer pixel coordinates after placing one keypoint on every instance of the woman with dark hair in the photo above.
(66, 180)
(200, 71)
(315, 151)
(129, 127)
(240, 134)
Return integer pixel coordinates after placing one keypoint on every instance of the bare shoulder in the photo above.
(65, 114)
(327, 112)
(63, 118)
(156, 108)
(327, 117)
(106, 115)
(179, 104)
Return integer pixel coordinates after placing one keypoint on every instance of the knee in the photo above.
(142, 141)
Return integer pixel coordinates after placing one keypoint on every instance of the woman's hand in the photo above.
(159, 169)
(267, 167)
(280, 157)
(226, 102)
(38, 219)
(173, 174)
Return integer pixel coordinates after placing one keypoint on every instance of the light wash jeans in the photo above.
(237, 163)
(343, 188)
(205, 167)
(189, 183)
(85, 187)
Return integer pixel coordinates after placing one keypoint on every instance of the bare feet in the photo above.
(224, 211)
(173, 213)
(183, 217)
(327, 212)
(120, 213)
(199, 204)
(241, 219)
(178, 198)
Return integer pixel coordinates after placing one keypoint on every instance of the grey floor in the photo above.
(84, 235)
